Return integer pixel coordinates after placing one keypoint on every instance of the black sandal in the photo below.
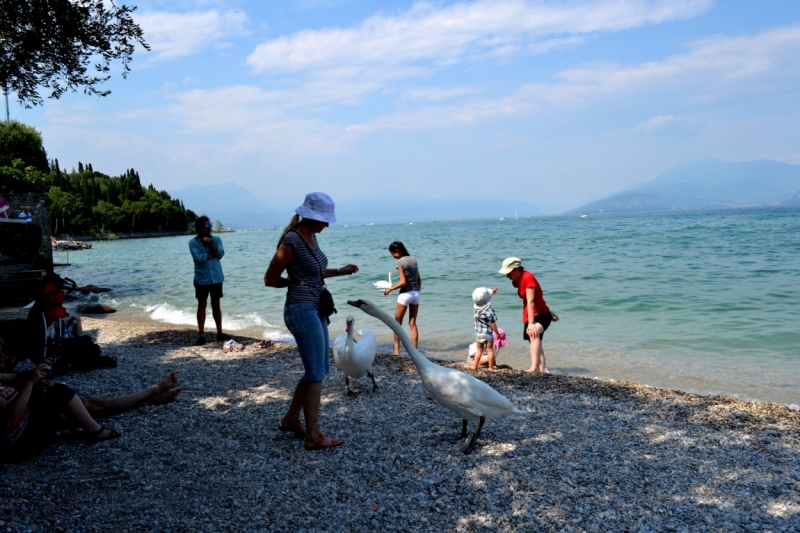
(93, 437)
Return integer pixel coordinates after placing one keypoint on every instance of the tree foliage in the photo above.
(20, 141)
(84, 199)
(51, 43)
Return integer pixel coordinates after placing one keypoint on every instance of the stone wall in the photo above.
(39, 214)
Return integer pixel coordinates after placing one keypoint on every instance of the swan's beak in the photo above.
(355, 303)
(349, 323)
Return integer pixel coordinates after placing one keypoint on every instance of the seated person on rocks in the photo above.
(33, 409)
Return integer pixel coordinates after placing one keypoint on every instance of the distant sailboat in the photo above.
(502, 218)
(515, 216)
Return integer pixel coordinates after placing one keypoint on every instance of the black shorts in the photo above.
(542, 318)
(201, 292)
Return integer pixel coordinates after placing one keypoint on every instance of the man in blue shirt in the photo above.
(206, 251)
(25, 214)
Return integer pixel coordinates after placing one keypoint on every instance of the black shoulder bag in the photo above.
(326, 305)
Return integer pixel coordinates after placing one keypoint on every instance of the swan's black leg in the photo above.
(456, 440)
(374, 385)
(349, 392)
(474, 438)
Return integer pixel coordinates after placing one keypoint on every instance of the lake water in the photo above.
(701, 301)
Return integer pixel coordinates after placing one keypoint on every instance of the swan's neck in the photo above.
(350, 342)
(419, 359)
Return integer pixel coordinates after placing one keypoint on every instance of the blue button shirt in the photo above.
(207, 271)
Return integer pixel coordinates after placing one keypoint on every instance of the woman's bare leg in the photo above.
(399, 313)
(160, 393)
(412, 323)
(537, 353)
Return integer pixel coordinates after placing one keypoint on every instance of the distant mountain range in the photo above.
(402, 207)
(708, 183)
(234, 206)
(238, 208)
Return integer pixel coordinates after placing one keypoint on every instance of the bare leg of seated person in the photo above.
(162, 392)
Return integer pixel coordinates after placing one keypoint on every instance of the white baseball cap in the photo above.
(510, 263)
(318, 206)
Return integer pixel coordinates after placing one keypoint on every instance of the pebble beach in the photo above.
(589, 456)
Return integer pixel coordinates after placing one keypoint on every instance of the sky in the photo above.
(554, 103)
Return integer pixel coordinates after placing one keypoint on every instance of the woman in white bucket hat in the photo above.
(301, 257)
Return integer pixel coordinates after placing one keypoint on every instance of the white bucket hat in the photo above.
(318, 206)
(481, 298)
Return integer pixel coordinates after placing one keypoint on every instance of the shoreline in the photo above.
(249, 332)
(589, 455)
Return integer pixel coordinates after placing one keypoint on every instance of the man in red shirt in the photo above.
(536, 316)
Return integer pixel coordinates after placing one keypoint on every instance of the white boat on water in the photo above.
(502, 218)
(515, 216)
(584, 215)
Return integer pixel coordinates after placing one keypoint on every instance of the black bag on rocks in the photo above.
(80, 354)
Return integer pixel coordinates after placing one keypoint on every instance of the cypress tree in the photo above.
(80, 166)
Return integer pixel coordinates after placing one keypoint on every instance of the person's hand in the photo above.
(348, 270)
(386, 292)
(494, 291)
(40, 372)
(533, 331)
(206, 239)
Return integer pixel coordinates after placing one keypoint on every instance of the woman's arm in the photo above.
(281, 259)
(530, 328)
(419, 280)
(17, 405)
(402, 283)
(347, 270)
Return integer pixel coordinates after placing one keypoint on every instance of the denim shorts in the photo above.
(310, 331)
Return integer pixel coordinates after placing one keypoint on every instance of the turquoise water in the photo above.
(703, 302)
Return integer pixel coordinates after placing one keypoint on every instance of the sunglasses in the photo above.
(208, 226)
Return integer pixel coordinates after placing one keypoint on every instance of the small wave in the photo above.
(173, 315)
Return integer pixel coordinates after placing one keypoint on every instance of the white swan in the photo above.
(468, 397)
(382, 284)
(355, 358)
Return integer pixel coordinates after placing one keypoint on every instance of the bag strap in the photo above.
(319, 265)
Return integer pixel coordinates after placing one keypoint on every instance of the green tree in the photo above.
(19, 178)
(218, 225)
(108, 214)
(62, 204)
(20, 141)
(50, 43)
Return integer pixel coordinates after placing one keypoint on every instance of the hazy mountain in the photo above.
(235, 206)
(707, 183)
(403, 207)
(794, 200)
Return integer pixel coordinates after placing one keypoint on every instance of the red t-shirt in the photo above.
(528, 281)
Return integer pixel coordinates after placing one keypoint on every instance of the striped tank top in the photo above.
(305, 283)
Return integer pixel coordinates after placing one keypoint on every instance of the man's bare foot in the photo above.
(167, 383)
(166, 397)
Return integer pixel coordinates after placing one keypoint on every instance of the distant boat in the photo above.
(502, 218)
(371, 224)
(515, 216)
(410, 223)
(584, 215)
(347, 225)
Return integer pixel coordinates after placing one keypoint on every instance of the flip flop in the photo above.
(293, 426)
(93, 437)
(321, 442)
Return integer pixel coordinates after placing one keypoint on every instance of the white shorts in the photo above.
(408, 298)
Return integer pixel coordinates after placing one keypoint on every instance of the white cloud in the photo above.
(711, 70)
(667, 125)
(445, 35)
(173, 35)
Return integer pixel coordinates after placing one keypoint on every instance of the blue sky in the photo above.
(554, 103)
